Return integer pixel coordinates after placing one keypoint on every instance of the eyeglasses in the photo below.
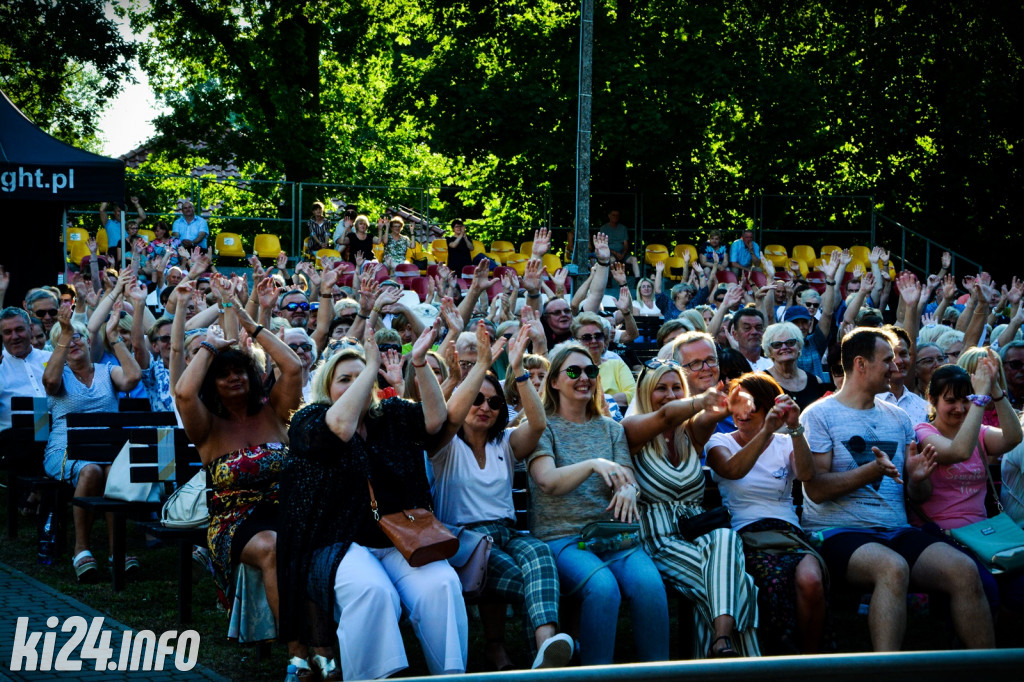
(49, 312)
(385, 347)
(937, 360)
(166, 338)
(788, 343)
(953, 354)
(698, 365)
(494, 402)
(76, 337)
(587, 338)
(297, 305)
(1014, 364)
(574, 371)
(563, 311)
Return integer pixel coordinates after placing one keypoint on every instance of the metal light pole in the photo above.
(582, 221)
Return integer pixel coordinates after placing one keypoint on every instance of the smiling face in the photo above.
(482, 417)
(38, 337)
(345, 372)
(580, 389)
(592, 336)
(698, 354)
(232, 383)
(646, 289)
(297, 317)
(950, 411)
(747, 418)
(901, 358)
(878, 371)
(45, 309)
(299, 343)
(670, 387)
(559, 316)
(16, 335)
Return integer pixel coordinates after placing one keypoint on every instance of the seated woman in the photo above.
(579, 473)
(241, 435)
(473, 488)
(537, 366)
(74, 384)
(335, 561)
(964, 449)
(594, 332)
(755, 468)
(782, 343)
(644, 304)
(664, 437)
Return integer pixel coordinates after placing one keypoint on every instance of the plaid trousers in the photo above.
(522, 570)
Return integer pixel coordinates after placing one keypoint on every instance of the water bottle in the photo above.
(293, 674)
(47, 542)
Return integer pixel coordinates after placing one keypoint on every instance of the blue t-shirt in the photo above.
(113, 229)
(739, 255)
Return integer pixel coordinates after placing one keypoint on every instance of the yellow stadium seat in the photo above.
(827, 250)
(77, 234)
(674, 266)
(682, 248)
(326, 253)
(229, 244)
(518, 263)
(148, 235)
(266, 246)
(526, 248)
(551, 263)
(378, 252)
(478, 247)
(804, 266)
(502, 250)
(860, 253)
(101, 240)
(863, 263)
(804, 253)
(777, 254)
(654, 253)
(77, 252)
(439, 250)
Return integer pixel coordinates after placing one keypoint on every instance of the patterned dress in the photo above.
(395, 249)
(241, 480)
(709, 571)
(75, 397)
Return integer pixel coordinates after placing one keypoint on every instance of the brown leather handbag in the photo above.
(416, 533)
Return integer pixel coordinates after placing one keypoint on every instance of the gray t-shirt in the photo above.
(617, 236)
(850, 434)
(559, 516)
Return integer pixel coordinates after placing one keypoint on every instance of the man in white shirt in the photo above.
(914, 405)
(21, 367)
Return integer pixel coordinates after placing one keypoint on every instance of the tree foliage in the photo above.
(61, 63)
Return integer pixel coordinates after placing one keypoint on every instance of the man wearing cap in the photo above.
(815, 333)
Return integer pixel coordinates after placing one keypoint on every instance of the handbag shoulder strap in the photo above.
(373, 501)
(988, 472)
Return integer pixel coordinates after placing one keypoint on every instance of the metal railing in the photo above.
(913, 259)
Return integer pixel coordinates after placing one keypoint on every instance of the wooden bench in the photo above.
(99, 437)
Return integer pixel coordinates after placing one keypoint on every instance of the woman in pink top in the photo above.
(964, 448)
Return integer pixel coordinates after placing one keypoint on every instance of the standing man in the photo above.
(618, 241)
(21, 365)
(864, 448)
(745, 254)
(190, 228)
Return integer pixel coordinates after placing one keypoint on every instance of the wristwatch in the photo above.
(798, 431)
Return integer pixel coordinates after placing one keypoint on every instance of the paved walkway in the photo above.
(23, 596)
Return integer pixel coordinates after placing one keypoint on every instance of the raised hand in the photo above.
(391, 368)
(112, 320)
(601, 249)
(947, 260)
(138, 293)
(858, 272)
(532, 274)
(64, 313)
(282, 260)
(909, 288)
(619, 273)
(517, 349)
(424, 342)
(845, 257)
(948, 288)
(714, 399)
(481, 278)
(928, 319)
(541, 242)
(919, 465)
(875, 255)
(659, 267)
(1016, 290)
(266, 293)
(387, 298)
(733, 296)
(867, 282)
(91, 244)
(215, 337)
(831, 267)
(625, 302)
(372, 352)
(529, 318)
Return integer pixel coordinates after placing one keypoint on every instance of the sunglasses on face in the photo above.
(1015, 365)
(49, 312)
(385, 347)
(494, 402)
(563, 311)
(788, 343)
(166, 338)
(305, 347)
(314, 306)
(295, 305)
(587, 338)
(574, 371)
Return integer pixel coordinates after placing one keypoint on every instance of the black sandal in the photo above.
(725, 652)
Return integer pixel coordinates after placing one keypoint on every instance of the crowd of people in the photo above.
(847, 427)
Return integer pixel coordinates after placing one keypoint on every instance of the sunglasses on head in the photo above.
(494, 402)
(574, 371)
(306, 347)
(385, 347)
(788, 343)
(587, 338)
(655, 363)
(297, 305)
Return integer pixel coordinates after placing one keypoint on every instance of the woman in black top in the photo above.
(460, 249)
(357, 240)
(782, 343)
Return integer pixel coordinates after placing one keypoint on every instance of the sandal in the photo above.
(131, 564)
(725, 652)
(298, 669)
(86, 569)
(327, 667)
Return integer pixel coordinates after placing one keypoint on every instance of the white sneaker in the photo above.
(555, 652)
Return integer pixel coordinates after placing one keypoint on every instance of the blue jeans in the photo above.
(632, 575)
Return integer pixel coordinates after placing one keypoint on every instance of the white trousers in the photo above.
(371, 588)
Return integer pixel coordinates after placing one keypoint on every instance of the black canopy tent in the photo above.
(39, 175)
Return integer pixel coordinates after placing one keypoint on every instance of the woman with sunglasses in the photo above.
(341, 576)
(473, 488)
(580, 473)
(664, 438)
(755, 467)
(594, 331)
(782, 343)
(302, 345)
(74, 384)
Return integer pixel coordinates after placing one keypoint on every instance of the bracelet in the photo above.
(115, 341)
(323, 295)
(365, 317)
(996, 400)
(980, 400)
(256, 331)
(605, 263)
(210, 347)
(61, 345)
(525, 376)
(536, 295)
(419, 366)
(798, 431)
(226, 304)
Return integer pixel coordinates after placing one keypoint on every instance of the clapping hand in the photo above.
(919, 465)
